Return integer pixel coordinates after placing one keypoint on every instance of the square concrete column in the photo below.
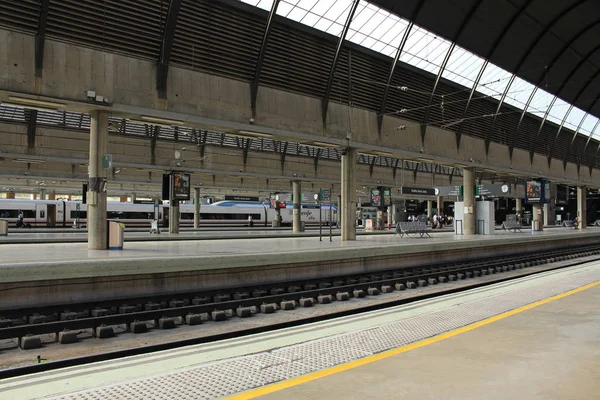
(297, 194)
(348, 195)
(42, 194)
(440, 204)
(10, 195)
(96, 196)
(582, 207)
(430, 209)
(537, 217)
(469, 218)
(196, 207)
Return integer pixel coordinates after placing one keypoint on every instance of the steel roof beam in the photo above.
(535, 42)
(261, 57)
(463, 25)
(407, 32)
(391, 76)
(548, 68)
(162, 68)
(571, 75)
(587, 112)
(40, 37)
(485, 64)
(336, 58)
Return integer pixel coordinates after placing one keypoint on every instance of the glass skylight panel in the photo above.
(558, 111)
(588, 125)
(574, 118)
(540, 102)
(493, 81)
(264, 4)
(463, 67)
(519, 93)
(425, 50)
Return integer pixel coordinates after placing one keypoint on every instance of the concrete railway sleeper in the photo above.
(140, 315)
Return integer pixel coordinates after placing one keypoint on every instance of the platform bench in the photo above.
(511, 225)
(406, 228)
(569, 224)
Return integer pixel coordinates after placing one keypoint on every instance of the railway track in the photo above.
(169, 311)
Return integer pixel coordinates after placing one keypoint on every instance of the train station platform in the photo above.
(531, 338)
(69, 272)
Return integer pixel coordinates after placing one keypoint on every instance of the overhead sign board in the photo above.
(492, 190)
(417, 191)
(449, 191)
(240, 198)
(325, 194)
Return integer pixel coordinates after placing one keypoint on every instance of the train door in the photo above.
(40, 214)
(61, 214)
(51, 215)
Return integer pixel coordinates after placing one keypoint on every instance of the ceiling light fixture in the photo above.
(164, 121)
(36, 103)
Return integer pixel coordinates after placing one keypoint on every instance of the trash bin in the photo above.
(275, 224)
(154, 228)
(3, 227)
(115, 232)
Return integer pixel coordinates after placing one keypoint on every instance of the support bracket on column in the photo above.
(336, 58)
(162, 68)
(31, 118)
(40, 38)
(261, 57)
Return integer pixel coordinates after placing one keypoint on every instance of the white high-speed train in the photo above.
(61, 213)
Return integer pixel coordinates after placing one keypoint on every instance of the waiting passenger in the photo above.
(20, 219)
(250, 221)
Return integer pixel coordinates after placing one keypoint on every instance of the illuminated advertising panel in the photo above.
(533, 191)
(181, 186)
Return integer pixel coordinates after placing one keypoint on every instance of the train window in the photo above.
(15, 213)
(42, 214)
(80, 214)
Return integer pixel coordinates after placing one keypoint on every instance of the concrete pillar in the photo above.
(549, 214)
(34, 196)
(469, 218)
(430, 209)
(69, 198)
(196, 207)
(96, 196)
(10, 195)
(582, 207)
(518, 205)
(348, 195)
(537, 217)
(52, 196)
(123, 199)
(42, 194)
(173, 211)
(440, 204)
(297, 194)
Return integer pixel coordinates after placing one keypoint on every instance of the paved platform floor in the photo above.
(532, 338)
(549, 352)
(73, 260)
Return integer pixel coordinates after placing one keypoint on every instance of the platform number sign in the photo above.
(107, 161)
(325, 194)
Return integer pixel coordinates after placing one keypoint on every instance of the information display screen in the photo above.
(562, 194)
(181, 186)
(533, 191)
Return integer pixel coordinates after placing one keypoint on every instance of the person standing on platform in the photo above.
(250, 221)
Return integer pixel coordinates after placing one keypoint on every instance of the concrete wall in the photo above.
(70, 70)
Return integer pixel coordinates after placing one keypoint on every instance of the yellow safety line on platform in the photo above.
(251, 394)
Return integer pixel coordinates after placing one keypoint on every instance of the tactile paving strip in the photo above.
(232, 376)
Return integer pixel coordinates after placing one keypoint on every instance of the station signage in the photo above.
(492, 190)
(241, 198)
(417, 191)
(449, 191)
